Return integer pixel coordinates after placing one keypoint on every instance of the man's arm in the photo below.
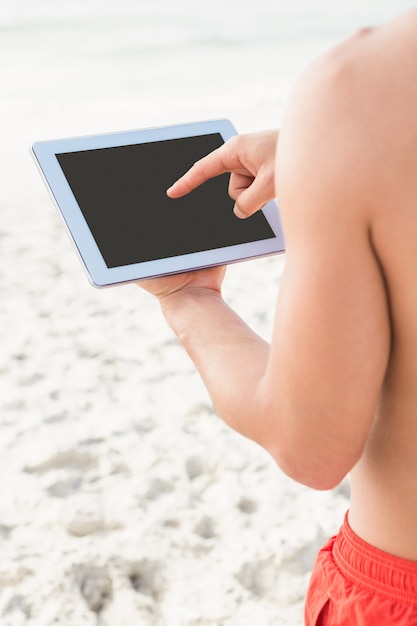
(310, 398)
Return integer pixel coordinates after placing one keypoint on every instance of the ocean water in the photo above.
(91, 66)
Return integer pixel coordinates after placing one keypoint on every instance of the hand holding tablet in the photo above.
(111, 193)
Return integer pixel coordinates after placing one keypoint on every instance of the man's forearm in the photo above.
(230, 357)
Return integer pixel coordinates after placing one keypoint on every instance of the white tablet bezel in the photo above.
(44, 153)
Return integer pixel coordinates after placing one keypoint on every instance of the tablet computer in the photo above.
(110, 190)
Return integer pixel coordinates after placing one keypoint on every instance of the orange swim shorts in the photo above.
(354, 584)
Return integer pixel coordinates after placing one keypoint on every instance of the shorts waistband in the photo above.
(374, 569)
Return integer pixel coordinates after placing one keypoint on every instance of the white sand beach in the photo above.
(124, 500)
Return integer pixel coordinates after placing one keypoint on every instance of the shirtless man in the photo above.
(336, 391)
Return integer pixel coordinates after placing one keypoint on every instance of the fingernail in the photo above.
(238, 213)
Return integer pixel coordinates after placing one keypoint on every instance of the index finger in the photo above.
(208, 167)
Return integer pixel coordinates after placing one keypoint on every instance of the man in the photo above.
(336, 391)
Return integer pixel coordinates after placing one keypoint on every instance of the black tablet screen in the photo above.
(121, 192)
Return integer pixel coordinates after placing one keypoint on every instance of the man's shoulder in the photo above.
(371, 72)
(351, 118)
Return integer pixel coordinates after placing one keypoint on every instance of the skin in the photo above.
(335, 392)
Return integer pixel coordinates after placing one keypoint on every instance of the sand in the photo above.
(124, 499)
